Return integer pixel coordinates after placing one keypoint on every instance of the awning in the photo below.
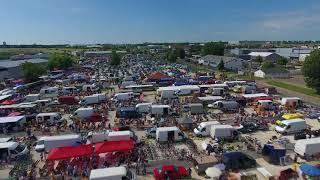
(69, 152)
(310, 170)
(113, 146)
(8, 102)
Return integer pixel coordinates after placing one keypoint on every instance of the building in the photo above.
(230, 63)
(266, 56)
(12, 69)
(272, 73)
(300, 53)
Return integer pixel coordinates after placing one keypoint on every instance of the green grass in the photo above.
(292, 87)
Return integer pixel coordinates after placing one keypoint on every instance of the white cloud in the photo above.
(291, 21)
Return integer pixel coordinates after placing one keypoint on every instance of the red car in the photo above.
(171, 172)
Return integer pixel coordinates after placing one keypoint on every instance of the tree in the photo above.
(259, 59)
(115, 58)
(181, 53)
(267, 65)
(214, 48)
(31, 72)
(60, 61)
(171, 57)
(221, 65)
(311, 70)
(282, 61)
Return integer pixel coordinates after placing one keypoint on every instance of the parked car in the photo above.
(238, 160)
(151, 132)
(248, 127)
(170, 172)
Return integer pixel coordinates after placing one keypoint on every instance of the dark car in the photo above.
(248, 127)
(238, 160)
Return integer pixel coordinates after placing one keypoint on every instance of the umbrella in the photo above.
(310, 170)
(213, 172)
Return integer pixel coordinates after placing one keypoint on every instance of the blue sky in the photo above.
(136, 21)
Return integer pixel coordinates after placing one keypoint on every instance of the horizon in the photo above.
(83, 22)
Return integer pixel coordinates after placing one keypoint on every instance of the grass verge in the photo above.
(291, 87)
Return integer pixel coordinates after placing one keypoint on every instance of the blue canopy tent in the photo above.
(275, 154)
(310, 170)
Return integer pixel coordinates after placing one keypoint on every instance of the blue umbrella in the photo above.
(310, 170)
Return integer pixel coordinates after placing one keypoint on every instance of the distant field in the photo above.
(6, 53)
(297, 80)
(293, 87)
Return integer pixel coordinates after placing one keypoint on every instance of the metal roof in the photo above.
(10, 63)
(262, 54)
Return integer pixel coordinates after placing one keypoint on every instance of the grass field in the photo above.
(6, 53)
(292, 87)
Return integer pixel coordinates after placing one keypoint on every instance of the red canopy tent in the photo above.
(69, 152)
(113, 146)
(8, 102)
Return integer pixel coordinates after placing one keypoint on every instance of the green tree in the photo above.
(181, 53)
(221, 65)
(214, 48)
(311, 70)
(60, 61)
(282, 61)
(259, 59)
(115, 59)
(31, 72)
(171, 57)
(267, 65)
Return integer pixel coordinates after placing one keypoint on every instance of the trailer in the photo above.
(162, 110)
(195, 108)
(291, 101)
(143, 107)
(307, 147)
(226, 105)
(169, 134)
(223, 131)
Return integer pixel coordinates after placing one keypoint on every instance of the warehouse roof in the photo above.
(262, 54)
(11, 63)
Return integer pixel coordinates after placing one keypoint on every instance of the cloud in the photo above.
(291, 21)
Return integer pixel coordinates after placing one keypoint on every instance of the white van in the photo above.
(165, 134)
(291, 126)
(32, 97)
(291, 101)
(49, 92)
(223, 131)
(143, 107)
(49, 142)
(307, 147)
(49, 118)
(12, 149)
(119, 135)
(123, 96)
(83, 113)
(204, 128)
(96, 137)
(112, 173)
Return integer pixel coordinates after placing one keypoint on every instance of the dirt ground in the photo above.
(296, 80)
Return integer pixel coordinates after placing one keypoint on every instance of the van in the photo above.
(307, 147)
(47, 143)
(169, 134)
(291, 102)
(32, 97)
(143, 107)
(120, 136)
(162, 110)
(290, 116)
(127, 112)
(96, 137)
(93, 99)
(204, 128)
(291, 126)
(168, 94)
(226, 105)
(89, 87)
(12, 149)
(123, 96)
(69, 90)
(49, 92)
(218, 91)
(112, 173)
(49, 118)
(83, 113)
(223, 131)
(266, 104)
(68, 100)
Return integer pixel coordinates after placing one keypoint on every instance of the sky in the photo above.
(137, 21)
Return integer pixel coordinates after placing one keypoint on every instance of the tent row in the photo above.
(87, 149)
